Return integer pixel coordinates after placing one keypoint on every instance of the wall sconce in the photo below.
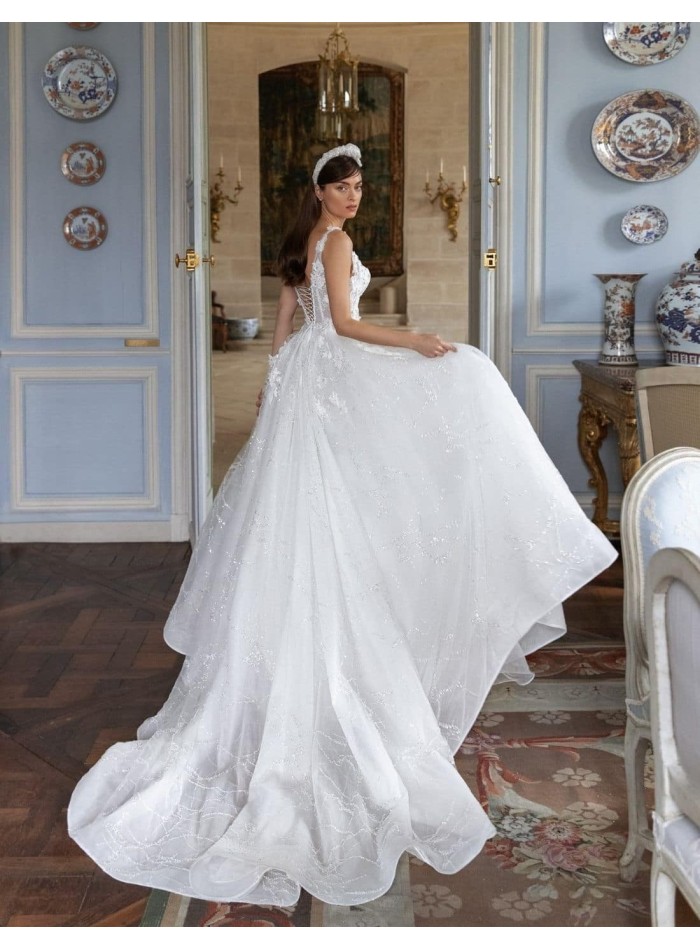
(218, 199)
(448, 197)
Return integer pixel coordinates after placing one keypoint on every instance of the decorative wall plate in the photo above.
(83, 163)
(646, 135)
(83, 26)
(644, 224)
(79, 82)
(644, 44)
(85, 228)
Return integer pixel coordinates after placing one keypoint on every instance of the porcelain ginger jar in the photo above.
(678, 316)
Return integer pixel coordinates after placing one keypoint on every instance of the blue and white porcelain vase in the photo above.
(619, 313)
(678, 316)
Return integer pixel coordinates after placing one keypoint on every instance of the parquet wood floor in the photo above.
(82, 664)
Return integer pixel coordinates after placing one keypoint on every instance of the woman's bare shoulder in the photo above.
(338, 244)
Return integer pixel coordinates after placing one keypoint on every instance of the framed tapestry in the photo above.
(289, 150)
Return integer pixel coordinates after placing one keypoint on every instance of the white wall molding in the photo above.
(586, 498)
(140, 352)
(150, 325)
(504, 79)
(150, 193)
(181, 418)
(17, 231)
(88, 531)
(535, 376)
(582, 350)
(536, 157)
(20, 501)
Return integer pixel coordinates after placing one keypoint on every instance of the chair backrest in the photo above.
(660, 508)
(668, 408)
(672, 623)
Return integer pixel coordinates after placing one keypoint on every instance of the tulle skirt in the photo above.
(390, 541)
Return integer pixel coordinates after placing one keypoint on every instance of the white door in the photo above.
(195, 261)
(491, 237)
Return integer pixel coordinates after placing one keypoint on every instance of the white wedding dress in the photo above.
(389, 541)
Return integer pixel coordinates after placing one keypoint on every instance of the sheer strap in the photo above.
(321, 243)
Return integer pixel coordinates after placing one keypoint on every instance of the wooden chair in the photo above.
(672, 623)
(668, 408)
(660, 508)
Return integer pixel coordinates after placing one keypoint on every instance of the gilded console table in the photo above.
(607, 398)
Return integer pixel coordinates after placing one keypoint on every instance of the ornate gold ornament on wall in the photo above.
(337, 88)
(218, 199)
(450, 199)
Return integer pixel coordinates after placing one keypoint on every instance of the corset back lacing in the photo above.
(306, 301)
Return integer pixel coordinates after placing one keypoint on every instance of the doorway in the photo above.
(434, 289)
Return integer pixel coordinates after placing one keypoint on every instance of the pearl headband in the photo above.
(351, 150)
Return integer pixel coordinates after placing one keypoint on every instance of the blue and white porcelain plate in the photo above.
(644, 224)
(79, 82)
(644, 44)
(646, 135)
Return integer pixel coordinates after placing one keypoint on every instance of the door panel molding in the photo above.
(20, 500)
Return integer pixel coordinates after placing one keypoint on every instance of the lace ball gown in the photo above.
(391, 539)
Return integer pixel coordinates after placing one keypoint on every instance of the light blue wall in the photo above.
(83, 401)
(110, 277)
(583, 207)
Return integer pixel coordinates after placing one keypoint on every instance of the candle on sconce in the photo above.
(441, 166)
(427, 176)
(239, 175)
(464, 174)
(221, 161)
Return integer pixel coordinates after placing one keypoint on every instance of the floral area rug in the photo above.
(553, 783)
(554, 786)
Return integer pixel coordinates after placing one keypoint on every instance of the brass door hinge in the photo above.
(491, 259)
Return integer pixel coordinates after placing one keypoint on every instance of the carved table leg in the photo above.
(629, 450)
(592, 430)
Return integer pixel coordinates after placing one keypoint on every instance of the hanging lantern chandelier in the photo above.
(337, 88)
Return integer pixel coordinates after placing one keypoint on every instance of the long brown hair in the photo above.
(291, 260)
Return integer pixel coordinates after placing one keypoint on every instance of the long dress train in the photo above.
(391, 539)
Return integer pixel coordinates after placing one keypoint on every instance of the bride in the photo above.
(391, 540)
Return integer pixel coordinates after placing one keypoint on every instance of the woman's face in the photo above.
(342, 198)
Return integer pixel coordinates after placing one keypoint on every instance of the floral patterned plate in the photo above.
(646, 135)
(85, 228)
(83, 163)
(644, 224)
(644, 44)
(83, 26)
(79, 82)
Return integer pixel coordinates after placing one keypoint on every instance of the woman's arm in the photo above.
(337, 263)
(284, 324)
